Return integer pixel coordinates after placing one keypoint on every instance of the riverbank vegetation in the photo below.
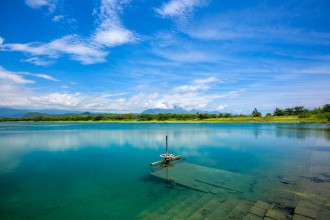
(289, 115)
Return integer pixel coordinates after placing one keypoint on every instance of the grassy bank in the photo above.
(234, 119)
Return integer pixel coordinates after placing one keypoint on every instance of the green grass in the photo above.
(248, 119)
(312, 118)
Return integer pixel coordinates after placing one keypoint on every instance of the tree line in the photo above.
(299, 111)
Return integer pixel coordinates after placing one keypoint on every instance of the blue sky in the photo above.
(131, 55)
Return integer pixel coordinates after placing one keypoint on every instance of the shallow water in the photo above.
(102, 171)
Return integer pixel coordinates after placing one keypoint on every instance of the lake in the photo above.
(102, 170)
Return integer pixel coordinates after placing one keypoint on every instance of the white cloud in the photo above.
(222, 107)
(218, 31)
(261, 24)
(77, 48)
(184, 99)
(38, 61)
(179, 50)
(189, 100)
(36, 4)
(1, 41)
(207, 80)
(135, 103)
(186, 55)
(13, 77)
(111, 31)
(63, 18)
(58, 18)
(14, 93)
(320, 69)
(177, 8)
(113, 36)
(191, 96)
(199, 84)
(191, 88)
(56, 100)
(142, 101)
(43, 76)
(18, 77)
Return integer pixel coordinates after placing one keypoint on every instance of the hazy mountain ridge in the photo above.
(19, 113)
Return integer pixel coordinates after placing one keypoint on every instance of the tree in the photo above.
(228, 115)
(316, 111)
(202, 116)
(256, 113)
(98, 117)
(163, 116)
(288, 111)
(278, 112)
(326, 108)
(299, 110)
(145, 117)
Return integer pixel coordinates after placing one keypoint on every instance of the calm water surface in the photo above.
(102, 171)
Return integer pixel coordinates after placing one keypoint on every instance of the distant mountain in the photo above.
(176, 110)
(19, 113)
(12, 113)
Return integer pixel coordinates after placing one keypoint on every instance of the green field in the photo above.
(319, 118)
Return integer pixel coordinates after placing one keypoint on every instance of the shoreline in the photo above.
(183, 122)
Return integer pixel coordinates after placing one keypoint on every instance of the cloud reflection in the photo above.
(183, 139)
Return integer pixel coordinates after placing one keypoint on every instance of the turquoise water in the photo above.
(102, 171)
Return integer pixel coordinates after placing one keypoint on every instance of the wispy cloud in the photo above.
(13, 77)
(40, 75)
(77, 48)
(320, 69)
(111, 31)
(58, 18)
(198, 84)
(262, 24)
(18, 77)
(38, 61)
(72, 22)
(178, 8)
(186, 55)
(207, 80)
(219, 30)
(36, 4)
(87, 50)
(181, 50)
